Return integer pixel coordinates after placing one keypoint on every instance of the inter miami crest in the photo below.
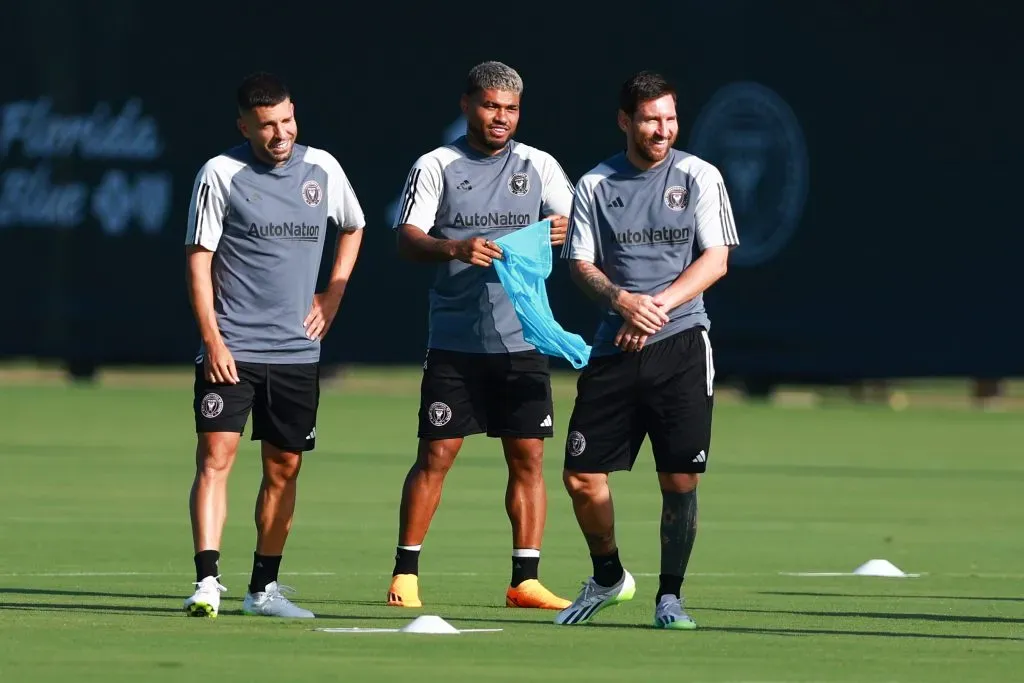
(439, 414)
(312, 193)
(519, 184)
(675, 197)
(576, 443)
(211, 405)
(756, 140)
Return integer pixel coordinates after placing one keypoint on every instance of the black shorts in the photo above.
(665, 392)
(283, 399)
(502, 394)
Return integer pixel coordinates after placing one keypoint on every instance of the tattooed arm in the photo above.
(638, 310)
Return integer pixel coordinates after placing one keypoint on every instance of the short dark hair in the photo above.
(261, 89)
(641, 87)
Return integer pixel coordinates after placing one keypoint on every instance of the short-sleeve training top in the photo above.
(267, 227)
(641, 229)
(455, 192)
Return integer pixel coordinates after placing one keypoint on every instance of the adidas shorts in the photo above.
(664, 392)
(500, 394)
(283, 400)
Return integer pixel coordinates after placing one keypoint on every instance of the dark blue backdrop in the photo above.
(871, 152)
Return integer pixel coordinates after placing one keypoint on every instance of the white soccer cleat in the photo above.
(271, 603)
(669, 614)
(205, 602)
(594, 598)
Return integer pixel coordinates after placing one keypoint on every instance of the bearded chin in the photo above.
(645, 154)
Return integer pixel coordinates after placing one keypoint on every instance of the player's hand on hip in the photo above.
(478, 251)
(559, 228)
(640, 311)
(321, 315)
(219, 365)
(630, 338)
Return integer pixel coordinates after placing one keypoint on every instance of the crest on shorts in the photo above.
(211, 405)
(676, 197)
(439, 414)
(312, 193)
(519, 184)
(576, 443)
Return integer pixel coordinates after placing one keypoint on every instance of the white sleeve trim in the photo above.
(582, 241)
(209, 203)
(342, 204)
(715, 224)
(556, 189)
(423, 189)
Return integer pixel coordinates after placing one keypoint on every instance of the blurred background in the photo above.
(870, 148)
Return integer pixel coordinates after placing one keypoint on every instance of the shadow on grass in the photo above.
(844, 632)
(949, 618)
(809, 594)
(87, 594)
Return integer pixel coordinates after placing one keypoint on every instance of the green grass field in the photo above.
(96, 550)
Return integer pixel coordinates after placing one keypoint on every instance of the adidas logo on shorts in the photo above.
(546, 422)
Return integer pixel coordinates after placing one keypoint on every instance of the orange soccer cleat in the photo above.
(532, 594)
(404, 591)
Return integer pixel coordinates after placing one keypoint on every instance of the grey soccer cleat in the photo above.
(669, 614)
(271, 603)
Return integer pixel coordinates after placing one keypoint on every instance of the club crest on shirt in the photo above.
(519, 184)
(676, 197)
(312, 192)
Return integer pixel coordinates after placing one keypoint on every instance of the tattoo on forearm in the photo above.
(595, 283)
(678, 530)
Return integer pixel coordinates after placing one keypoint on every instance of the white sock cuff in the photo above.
(525, 552)
(410, 547)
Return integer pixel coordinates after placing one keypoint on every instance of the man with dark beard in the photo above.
(650, 231)
(480, 375)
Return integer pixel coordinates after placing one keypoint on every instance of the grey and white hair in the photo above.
(493, 76)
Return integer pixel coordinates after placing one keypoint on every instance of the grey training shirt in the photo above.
(640, 228)
(455, 192)
(267, 227)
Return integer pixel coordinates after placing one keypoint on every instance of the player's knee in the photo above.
(285, 470)
(526, 463)
(280, 466)
(585, 485)
(214, 456)
(681, 482)
(437, 457)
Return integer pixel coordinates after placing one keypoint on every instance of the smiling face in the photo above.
(651, 130)
(492, 117)
(271, 130)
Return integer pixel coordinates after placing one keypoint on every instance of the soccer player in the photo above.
(257, 223)
(480, 375)
(651, 230)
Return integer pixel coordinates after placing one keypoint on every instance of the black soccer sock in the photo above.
(668, 585)
(264, 571)
(607, 569)
(207, 564)
(525, 565)
(678, 532)
(407, 560)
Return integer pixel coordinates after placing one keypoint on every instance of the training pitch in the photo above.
(97, 558)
